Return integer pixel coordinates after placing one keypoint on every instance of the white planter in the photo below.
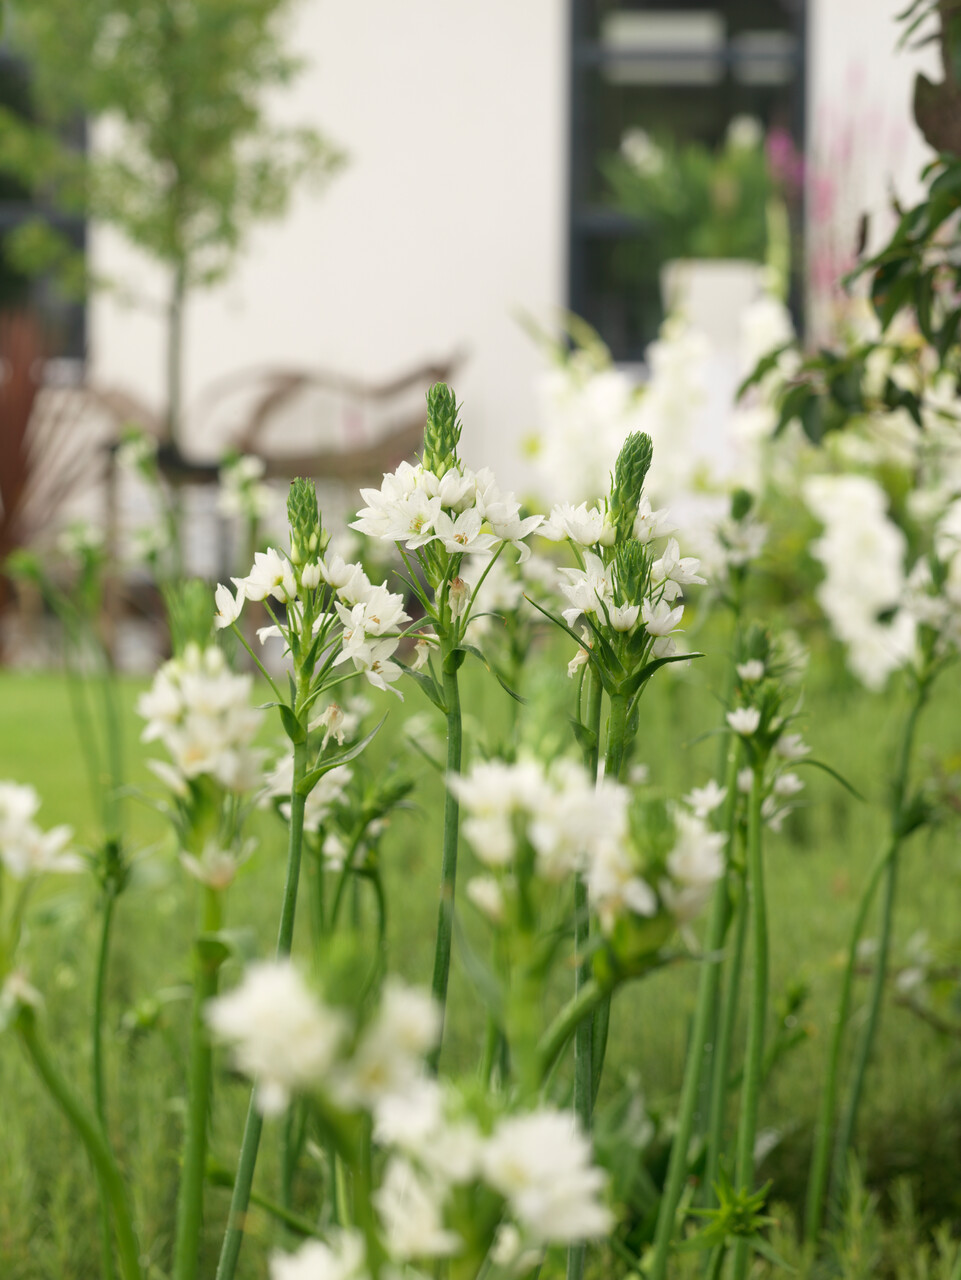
(711, 294)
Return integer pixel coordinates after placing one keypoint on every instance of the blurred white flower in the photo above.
(541, 1164)
(343, 1257)
(280, 1034)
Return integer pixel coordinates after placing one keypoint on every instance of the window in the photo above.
(680, 67)
(63, 320)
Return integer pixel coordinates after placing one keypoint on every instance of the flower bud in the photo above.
(459, 597)
(442, 432)
(303, 514)
(630, 472)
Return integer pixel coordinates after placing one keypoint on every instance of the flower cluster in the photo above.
(632, 865)
(627, 593)
(26, 850)
(763, 678)
(442, 511)
(450, 1180)
(863, 554)
(200, 711)
(333, 613)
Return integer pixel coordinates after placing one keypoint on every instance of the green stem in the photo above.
(720, 1066)
(445, 912)
(822, 1141)
(584, 1035)
(707, 991)
(552, 1042)
(849, 1115)
(190, 1199)
(885, 868)
(757, 1014)
(240, 1200)
(99, 1084)
(91, 1135)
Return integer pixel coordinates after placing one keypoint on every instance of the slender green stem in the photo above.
(707, 991)
(99, 1083)
(91, 1135)
(884, 868)
(822, 1141)
(849, 1115)
(190, 1199)
(720, 1065)
(584, 1035)
(757, 1015)
(99, 1000)
(445, 912)
(240, 1200)
(552, 1042)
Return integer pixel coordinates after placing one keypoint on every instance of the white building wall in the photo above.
(451, 213)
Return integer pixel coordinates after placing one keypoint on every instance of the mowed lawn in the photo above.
(48, 1214)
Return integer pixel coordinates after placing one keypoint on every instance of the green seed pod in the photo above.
(630, 472)
(442, 433)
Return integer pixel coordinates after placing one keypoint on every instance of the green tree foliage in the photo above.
(185, 158)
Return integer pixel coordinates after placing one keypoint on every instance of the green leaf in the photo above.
(455, 660)
(586, 738)
(428, 684)
(631, 686)
(293, 728)
(472, 649)
(591, 655)
(819, 764)
(314, 775)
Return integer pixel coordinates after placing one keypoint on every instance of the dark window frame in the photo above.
(590, 225)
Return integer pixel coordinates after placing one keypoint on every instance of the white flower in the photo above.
(791, 746)
(390, 1054)
(659, 618)
(459, 596)
(272, 575)
(541, 1164)
(744, 720)
(229, 606)
(704, 800)
(622, 616)
(694, 864)
(675, 571)
(587, 526)
(580, 659)
(310, 576)
(463, 535)
(216, 868)
(411, 1210)
(745, 781)
(751, 671)
(787, 785)
(342, 1258)
(282, 1037)
(649, 524)
(487, 896)
(615, 886)
(586, 588)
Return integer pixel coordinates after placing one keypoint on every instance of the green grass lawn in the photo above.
(48, 1209)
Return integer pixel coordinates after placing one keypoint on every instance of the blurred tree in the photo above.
(184, 159)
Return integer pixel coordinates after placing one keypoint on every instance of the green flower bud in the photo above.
(630, 472)
(632, 569)
(303, 514)
(442, 433)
